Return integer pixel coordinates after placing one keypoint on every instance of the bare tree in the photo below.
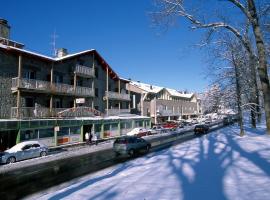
(171, 9)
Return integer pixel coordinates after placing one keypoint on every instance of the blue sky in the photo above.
(119, 30)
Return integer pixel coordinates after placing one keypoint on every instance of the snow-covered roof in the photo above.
(147, 87)
(104, 64)
(44, 56)
(156, 89)
(175, 93)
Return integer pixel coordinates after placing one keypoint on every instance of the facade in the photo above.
(162, 104)
(81, 91)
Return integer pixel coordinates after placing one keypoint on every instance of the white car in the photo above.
(139, 132)
(22, 151)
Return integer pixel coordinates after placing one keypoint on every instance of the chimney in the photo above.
(4, 29)
(61, 52)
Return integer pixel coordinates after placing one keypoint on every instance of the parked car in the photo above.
(208, 121)
(202, 128)
(139, 132)
(194, 121)
(157, 130)
(170, 125)
(130, 145)
(187, 123)
(22, 151)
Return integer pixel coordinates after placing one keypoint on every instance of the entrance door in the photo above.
(86, 129)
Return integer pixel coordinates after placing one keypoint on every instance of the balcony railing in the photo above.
(117, 96)
(117, 111)
(30, 112)
(45, 86)
(63, 88)
(84, 91)
(43, 112)
(31, 84)
(84, 71)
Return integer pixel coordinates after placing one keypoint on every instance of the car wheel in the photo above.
(131, 152)
(43, 153)
(116, 154)
(11, 160)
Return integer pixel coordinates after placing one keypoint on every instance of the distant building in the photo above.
(162, 104)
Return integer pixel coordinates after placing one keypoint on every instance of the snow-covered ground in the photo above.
(220, 165)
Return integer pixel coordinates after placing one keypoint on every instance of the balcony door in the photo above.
(29, 74)
(29, 102)
(58, 78)
(58, 103)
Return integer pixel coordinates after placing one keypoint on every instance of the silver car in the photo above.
(130, 145)
(22, 151)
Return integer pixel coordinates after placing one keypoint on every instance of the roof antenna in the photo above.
(53, 43)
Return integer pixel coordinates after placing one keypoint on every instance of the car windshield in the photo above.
(121, 141)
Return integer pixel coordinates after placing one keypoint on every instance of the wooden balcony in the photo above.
(30, 112)
(116, 96)
(84, 71)
(30, 84)
(46, 87)
(44, 112)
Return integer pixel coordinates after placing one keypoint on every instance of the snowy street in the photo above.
(219, 165)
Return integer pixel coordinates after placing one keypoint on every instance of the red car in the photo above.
(170, 125)
(139, 132)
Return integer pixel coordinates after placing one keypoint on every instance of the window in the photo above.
(128, 124)
(58, 103)
(29, 74)
(29, 135)
(58, 78)
(79, 82)
(35, 145)
(139, 124)
(44, 133)
(96, 72)
(75, 130)
(123, 125)
(63, 131)
(26, 147)
(114, 127)
(96, 92)
(106, 127)
(97, 127)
